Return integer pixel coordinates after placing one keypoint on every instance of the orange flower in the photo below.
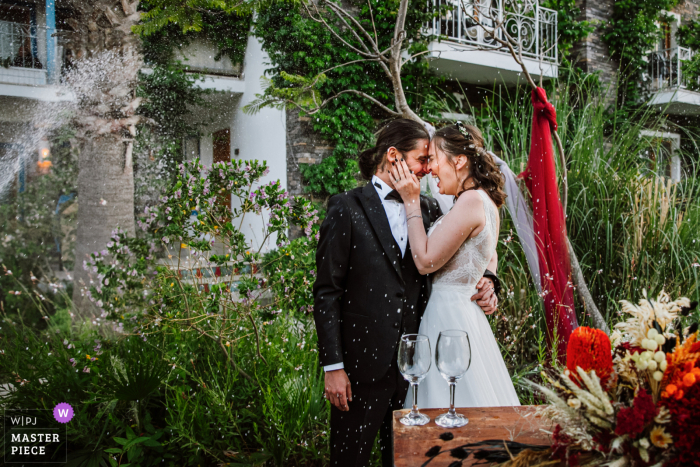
(590, 349)
(681, 373)
(689, 379)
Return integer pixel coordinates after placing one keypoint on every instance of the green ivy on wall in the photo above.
(170, 93)
(631, 33)
(688, 35)
(169, 90)
(170, 24)
(569, 29)
(298, 45)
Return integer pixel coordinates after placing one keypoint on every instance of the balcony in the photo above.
(27, 65)
(201, 56)
(672, 90)
(468, 53)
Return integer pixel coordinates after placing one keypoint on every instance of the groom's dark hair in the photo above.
(402, 134)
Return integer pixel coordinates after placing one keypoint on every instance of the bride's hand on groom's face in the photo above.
(485, 297)
(405, 181)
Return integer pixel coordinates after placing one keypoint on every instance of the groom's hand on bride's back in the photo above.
(338, 390)
(485, 296)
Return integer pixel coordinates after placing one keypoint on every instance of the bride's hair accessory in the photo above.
(468, 136)
(460, 139)
(463, 129)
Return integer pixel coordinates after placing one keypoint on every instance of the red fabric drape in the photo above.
(549, 224)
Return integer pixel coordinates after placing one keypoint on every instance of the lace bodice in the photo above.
(468, 265)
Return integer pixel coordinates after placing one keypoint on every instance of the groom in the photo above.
(368, 292)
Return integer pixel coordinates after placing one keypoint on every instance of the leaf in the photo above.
(88, 457)
(151, 443)
(134, 374)
(133, 454)
(114, 450)
(135, 442)
(121, 441)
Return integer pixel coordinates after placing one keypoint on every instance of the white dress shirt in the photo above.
(396, 214)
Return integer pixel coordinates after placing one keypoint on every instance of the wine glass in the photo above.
(453, 356)
(414, 362)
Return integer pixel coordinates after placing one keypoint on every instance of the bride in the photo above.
(457, 250)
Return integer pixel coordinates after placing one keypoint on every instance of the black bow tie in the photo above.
(394, 195)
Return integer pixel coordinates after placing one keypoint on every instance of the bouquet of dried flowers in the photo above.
(629, 400)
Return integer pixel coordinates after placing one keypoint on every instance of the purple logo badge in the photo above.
(63, 412)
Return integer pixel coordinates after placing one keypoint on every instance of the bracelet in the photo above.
(417, 215)
(413, 211)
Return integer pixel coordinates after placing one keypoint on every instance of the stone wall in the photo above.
(593, 54)
(688, 9)
(304, 146)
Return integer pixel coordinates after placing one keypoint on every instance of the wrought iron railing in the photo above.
(665, 68)
(21, 45)
(533, 27)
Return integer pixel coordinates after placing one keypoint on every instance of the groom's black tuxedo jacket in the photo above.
(366, 295)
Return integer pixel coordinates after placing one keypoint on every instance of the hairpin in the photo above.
(463, 129)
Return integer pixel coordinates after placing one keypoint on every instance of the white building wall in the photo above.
(206, 150)
(260, 136)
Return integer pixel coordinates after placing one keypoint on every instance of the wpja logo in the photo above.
(36, 436)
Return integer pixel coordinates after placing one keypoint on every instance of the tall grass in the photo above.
(631, 226)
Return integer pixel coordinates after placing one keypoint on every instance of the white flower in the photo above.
(663, 311)
(615, 338)
(574, 403)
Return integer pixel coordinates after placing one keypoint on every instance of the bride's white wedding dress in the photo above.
(487, 382)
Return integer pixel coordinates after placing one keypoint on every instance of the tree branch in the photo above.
(375, 45)
(349, 63)
(371, 15)
(395, 64)
(583, 293)
(386, 109)
(337, 36)
(340, 12)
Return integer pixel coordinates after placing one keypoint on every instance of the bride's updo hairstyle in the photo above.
(402, 134)
(455, 140)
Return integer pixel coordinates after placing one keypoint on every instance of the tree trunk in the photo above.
(106, 202)
(105, 178)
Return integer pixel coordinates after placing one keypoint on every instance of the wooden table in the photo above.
(501, 423)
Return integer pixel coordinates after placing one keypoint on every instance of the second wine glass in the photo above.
(414, 363)
(453, 357)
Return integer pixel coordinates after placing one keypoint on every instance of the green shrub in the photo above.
(36, 236)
